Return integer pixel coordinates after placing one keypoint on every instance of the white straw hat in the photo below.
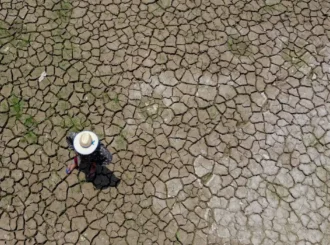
(85, 142)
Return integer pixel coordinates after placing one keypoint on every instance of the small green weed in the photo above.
(268, 9)
(64, 13)
(123, 134)
(116, 99)
(121, 142)
(22, 43)
(75, 124)
(16, 106)
(230, 43)
(177, 236)
(273, 9)
(206, 178)
(30, 122)
(293, 57)
(31, 137)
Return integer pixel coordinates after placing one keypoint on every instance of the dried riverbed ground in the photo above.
(216, 111)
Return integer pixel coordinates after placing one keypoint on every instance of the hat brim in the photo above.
(82, 150)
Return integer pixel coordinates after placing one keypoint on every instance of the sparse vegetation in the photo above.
(74, 123)
(177, 237)
(273, 9)
(30, 122)
(116, 99)
(64, 11)
(22, 43)
(4, 32)
(16, 106)
(242, 124)
(239, 45)
(123, 134)
(53, 180)
(121, 140)
(17, 28)
(15, 109)
(270, 9)
(12, 38)
(294, 57)
(63, 105)
(206, 178)
(30, 137)
(77, 124)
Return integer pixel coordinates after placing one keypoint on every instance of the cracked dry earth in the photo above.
(216, 111)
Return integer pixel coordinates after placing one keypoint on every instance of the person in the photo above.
(88, 149)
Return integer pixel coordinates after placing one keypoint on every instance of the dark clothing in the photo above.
(101, 156)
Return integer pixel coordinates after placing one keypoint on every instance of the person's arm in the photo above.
(69, 140)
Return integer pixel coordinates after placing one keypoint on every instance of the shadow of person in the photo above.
(103, 179)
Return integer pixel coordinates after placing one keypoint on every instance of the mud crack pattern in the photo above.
(216, 112)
